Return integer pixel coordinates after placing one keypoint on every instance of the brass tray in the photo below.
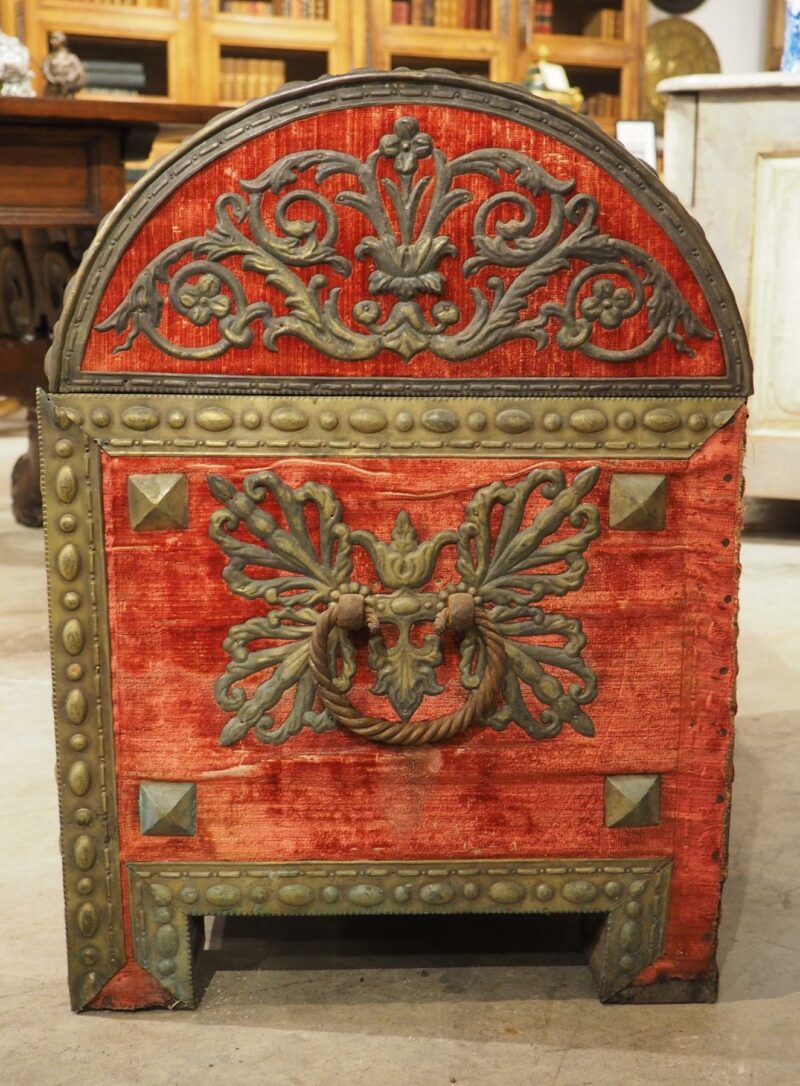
(674, 47)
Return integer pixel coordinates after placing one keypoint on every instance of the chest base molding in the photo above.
(633, 894)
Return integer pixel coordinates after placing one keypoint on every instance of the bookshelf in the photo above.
(226, 51)
(154, 36)
(197, 51)
(467, 36)
(11, 18)
(249, 48)
(601, 45)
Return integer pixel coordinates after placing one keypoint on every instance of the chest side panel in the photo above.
(393, 476)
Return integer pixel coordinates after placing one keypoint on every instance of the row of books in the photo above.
(133, 3)
(454, 14)
(115, 76)
(543, 16)
(241, 78)
(288, 9)
(605, 23)
(603, 105)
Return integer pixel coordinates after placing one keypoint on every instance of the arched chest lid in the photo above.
(408, 233)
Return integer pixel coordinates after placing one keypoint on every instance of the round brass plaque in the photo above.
(674, 47)
(678, 7)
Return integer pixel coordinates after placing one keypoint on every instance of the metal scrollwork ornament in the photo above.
(508, 562)
(406, 190)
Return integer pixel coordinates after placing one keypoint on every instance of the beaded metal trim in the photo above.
(633, 893)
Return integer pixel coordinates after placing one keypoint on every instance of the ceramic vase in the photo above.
(791, 43)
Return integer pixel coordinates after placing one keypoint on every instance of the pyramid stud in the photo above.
(638, 503)
(167, 809)
(633, 800)
(158, 503)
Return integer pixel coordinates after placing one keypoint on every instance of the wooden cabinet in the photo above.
(62, 168)
(232, 50)
(750, 213)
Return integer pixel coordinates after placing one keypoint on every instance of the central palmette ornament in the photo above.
(507, 565)
(537, 263)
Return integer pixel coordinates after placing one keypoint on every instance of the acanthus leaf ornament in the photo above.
(309, 577)
(509, 641)
(514, 572)
(611, 281)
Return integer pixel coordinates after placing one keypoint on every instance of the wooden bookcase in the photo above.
(489, 49)
(607, 68)
(231, 50)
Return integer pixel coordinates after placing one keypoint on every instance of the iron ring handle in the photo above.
(461, 614)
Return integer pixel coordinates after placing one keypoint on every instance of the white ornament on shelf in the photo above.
(15, 68)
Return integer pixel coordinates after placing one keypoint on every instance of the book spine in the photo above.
(250, 78)
(266, 78)
(240, 79)
(224, 79)
(446, 12)
(543, 17)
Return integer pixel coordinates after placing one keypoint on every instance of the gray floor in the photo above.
(312, 1021)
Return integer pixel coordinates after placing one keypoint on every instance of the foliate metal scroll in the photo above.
(291, 550)
(554, 272)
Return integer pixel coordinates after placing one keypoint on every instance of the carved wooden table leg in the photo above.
(26, 493)
(62, 167)
(22, 369)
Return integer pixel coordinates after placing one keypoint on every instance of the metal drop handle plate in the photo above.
(350, 613)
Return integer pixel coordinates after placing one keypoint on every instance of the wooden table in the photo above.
(62, 167)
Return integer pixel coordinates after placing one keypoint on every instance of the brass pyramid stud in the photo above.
(167, 808)
(633, 800)
(638, 503)
(158, 503)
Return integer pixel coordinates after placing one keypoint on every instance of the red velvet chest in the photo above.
(392, 474)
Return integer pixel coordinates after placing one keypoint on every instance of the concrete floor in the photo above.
(325, 1014)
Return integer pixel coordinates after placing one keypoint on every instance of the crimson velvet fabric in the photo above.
(658, 610)
(189, 212)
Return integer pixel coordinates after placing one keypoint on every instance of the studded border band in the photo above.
(81, 702)
(404, 426)
(632, 893)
